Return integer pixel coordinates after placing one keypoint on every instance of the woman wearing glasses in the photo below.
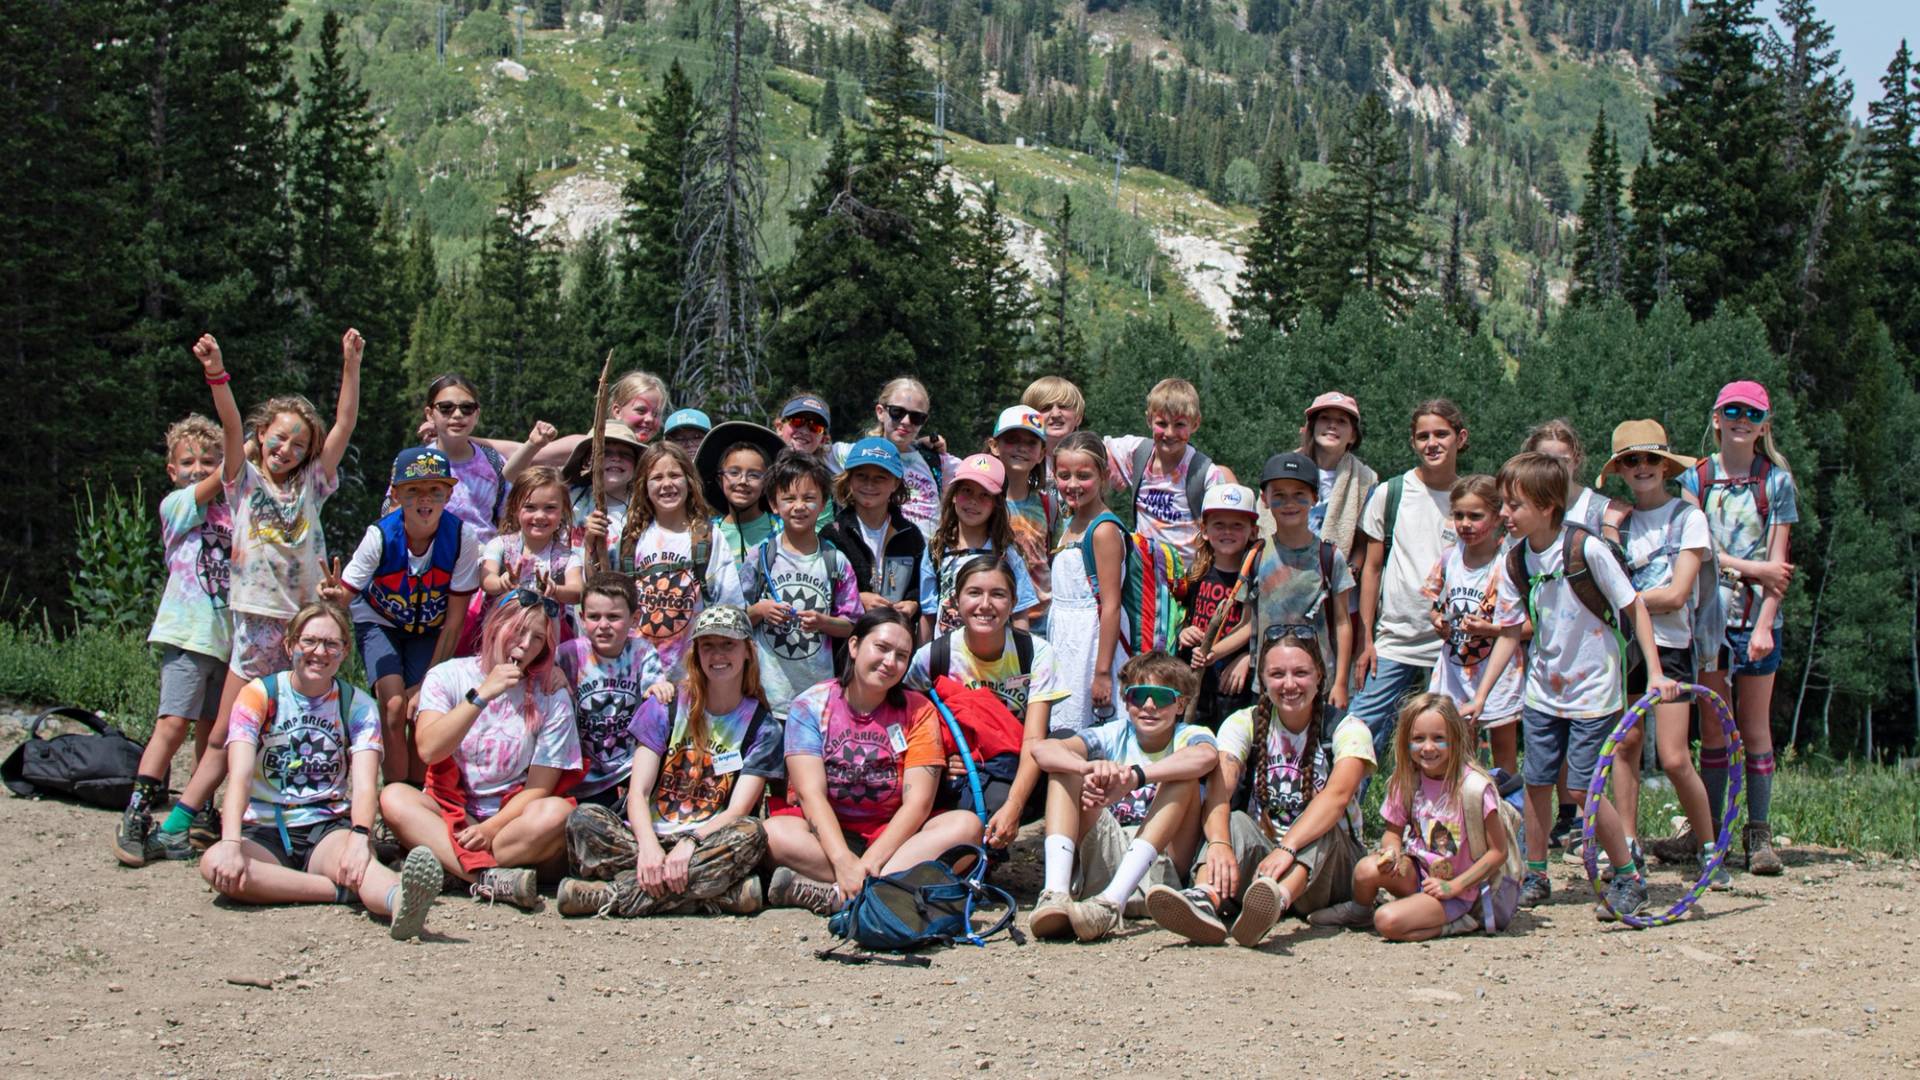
(479, 470)
(298, 830)
(900, 413)
(1295, 845)
(497, 733)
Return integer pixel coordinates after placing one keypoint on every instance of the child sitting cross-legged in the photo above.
(1123, 802)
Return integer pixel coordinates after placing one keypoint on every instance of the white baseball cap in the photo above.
(1230, 498)
(1020, 418)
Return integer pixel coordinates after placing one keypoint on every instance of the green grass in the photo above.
(1865, 808)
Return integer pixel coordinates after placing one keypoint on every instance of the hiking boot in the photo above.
(130, 839)
(420, 881)
(1535, 890)
(1260, 908)
(1757, 839)
(1563, 826)
(510, 885)
(1048, 919)
(163, 846)
(1094, 918)
(205, 830)
(788, 889)
(744, 898)
(1626, 896)
(1677, 850)
(1189, 913)
(1351, 914)
(578, 896)
(599, 843)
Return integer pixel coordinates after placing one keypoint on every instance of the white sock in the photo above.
(1059, 863)
(393, 899)
(1139, 860)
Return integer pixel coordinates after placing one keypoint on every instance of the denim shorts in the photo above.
(1549, 740)
(385, 651)
(1378, 701)
(1734, 658)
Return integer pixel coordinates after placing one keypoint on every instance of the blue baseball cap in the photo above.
(682, 418)
(874, 450)
(418, 463)
(807, 403)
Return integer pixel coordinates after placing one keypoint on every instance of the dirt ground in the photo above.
(105, 970)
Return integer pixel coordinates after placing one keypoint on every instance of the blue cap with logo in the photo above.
(685, 418)
(876, 451)
(417, 463)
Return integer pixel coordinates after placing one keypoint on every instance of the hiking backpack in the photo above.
(1151, 615)
(1709, 611)
(96, 767)
(1579, 577)
(756, 589)
(1502, 890)
(1196, 486)
(922, 906)
(1762, 507)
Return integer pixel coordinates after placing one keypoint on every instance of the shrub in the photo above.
(118, 567)
(109, 671)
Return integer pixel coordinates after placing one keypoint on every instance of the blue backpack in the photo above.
(920, 907)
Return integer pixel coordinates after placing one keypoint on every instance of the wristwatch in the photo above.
(362, 830)
(1139, 777)
(474, 699)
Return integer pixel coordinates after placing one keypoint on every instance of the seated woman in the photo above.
(863, 763)
(300, 832)
(699, 769)
(1018, 668)
(1295, 846)
(497, 734)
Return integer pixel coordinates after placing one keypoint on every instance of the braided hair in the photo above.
(1263, 721)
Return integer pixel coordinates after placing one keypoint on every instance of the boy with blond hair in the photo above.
(1168, 476)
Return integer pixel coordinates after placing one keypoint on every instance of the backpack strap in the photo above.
(1396, 490)
(499, 466)
(272, 683)
(1023, 649)
(1141, 455)
(939, 656)
(1086, 549)
(1197, 469)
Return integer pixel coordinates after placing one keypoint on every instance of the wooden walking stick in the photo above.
(1248, 567)
(596, 555)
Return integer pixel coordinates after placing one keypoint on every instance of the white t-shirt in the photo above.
(366, 560)
(874, 538)
(1574, 669)
(1654, 538)
(1589, 508)
(1161, 500)
(1423, 533)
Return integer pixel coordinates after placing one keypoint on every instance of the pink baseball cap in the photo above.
(1334, 399)
(982, 469)
(1746, 392)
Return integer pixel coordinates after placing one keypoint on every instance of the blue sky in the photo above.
(1866, 32)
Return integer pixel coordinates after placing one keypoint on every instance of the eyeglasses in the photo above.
(897, 413)
(1634, 461)
(323, 646)
(528, 598)
(755, 475)
(1736, 412)
(1297, 631)
(1161, 696)
(464, 408)
(805, 423)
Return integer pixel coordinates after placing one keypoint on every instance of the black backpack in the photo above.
(96, 767)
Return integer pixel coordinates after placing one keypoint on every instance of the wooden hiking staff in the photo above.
(597, 556)
(1248, 567)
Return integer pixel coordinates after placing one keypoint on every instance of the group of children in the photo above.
(698, 666)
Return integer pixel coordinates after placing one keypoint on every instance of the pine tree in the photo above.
(1455, 294)
(1893, 179)
(651, 256)
(1003, 305)
(1365, 234)
(1066, 347)
(826, 114)
(518, 300)
(1599, 252)
(1269, 293)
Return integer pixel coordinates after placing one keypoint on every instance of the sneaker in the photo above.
(513, 885)
(386, 846)
(205, 830)
(420, 880)
(1351, 914)
(1638, 856)
(165, 846)
(1465, 924)
(130, 839)
(1049, 918)
(1757, 839)
(1188, 913)
(1094, 918)
(578, 896)
(1259, 910)
(1563, 827)
(788, 889)
(1536, 890)
(1721, 880)
(1626, 896)
(744, 898)
(1677, 850)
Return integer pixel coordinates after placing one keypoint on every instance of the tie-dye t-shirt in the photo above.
(1288, 592)
(937, 595)
(193, 609)
(696, 782)
(501, 746)
(509, 552)
(1115, 741)
(866, 757)
(1438, 837)
(792, 657)
(1575, 666)
(582, 495)
(1287, 793)
(478, 486)
(302, 764)
(1000, 675)
(1161, 500)
(1733, 516)
(606, 690)
(671, 594)
(278, 545)
(1459, 591)
(1033, 542)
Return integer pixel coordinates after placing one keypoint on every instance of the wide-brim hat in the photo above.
(1644, 437)
(721, 438)
(618, 434)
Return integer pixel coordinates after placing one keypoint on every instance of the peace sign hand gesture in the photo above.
(332, 589)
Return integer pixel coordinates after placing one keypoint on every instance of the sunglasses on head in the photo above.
(897, 413)
(1298, 631)
(806, 423)
(464, 408)
(1162, 696)
(528, 598)
(1751, 413)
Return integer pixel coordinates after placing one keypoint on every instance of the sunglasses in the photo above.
(1736, 412)
(805, 423)
(464, 408)
(1161, 696)
(897, 413)
(1634, 461)
(528, 598)
(1297, 631)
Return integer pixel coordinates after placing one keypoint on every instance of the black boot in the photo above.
(136, 821)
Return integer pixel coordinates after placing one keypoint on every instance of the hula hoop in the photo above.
(1736, 757)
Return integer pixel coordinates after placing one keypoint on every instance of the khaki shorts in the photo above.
(1329, 861)
(1098, 856)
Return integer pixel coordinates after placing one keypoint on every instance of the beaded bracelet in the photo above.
(221, 379)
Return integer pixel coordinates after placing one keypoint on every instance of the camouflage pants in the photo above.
(601, 847)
